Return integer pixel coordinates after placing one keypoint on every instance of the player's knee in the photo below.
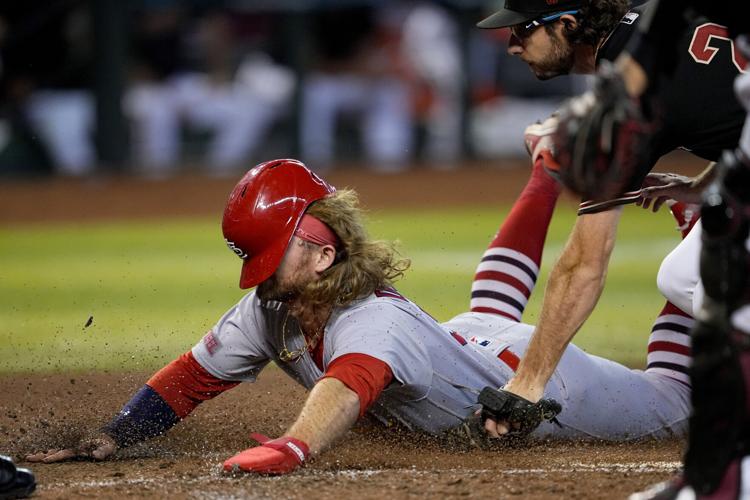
(672, 284)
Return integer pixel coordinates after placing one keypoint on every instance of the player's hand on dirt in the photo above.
(278, 456)
(661, 187)
(98, 447)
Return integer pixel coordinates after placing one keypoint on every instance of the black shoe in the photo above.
(7, 471)
(15, 482)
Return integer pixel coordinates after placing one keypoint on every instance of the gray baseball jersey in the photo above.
(439, 369)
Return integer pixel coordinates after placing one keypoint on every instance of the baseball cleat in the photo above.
(7, 470)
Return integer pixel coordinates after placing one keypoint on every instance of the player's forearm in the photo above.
(170, 395)
(573, 289)
(330, 410)
(571, 295)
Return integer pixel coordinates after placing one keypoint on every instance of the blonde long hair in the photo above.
(363, 265)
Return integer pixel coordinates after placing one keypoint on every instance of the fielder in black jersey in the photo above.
(688, 66)
(696, 106)
(690, 103)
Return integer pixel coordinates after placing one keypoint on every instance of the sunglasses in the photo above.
(523, 30)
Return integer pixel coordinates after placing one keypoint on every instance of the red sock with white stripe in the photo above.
(509, 268)
(669, 344)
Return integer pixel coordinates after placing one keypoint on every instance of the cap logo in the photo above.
(629, 18)
(237, 250)
(551, 2)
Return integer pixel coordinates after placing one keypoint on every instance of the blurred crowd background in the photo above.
(158, 87)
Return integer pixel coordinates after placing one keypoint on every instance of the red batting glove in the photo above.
(278, 456)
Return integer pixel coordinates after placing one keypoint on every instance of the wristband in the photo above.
(146, 415)
(288, 445)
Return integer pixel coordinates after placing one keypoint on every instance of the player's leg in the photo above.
(509, 268)
(679, 272)
(603, 399)
(669, 345)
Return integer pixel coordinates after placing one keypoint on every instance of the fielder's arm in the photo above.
(573, 289)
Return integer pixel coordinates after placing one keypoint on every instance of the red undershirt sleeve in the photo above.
(184, 384)
(365, 375)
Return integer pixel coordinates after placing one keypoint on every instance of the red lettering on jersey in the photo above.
(703, 52)
(552, 2)
(210, 342)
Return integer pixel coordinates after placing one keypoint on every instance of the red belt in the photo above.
(509, 359)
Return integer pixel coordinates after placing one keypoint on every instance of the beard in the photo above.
(289, 289)
(558, 61)
(298, 297)
(273, 289)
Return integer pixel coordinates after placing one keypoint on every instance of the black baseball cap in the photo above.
(521, 11)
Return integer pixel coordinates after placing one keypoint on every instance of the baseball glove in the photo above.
(602, 139)
(522, 415)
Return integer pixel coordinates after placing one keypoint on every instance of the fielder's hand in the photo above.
(661, 187)
(278, 456)
(98, 447)
(508, 413)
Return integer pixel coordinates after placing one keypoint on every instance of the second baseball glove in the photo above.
(602, 139)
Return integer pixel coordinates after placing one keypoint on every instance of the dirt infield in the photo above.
(122, 197)
(44, 411)
(41, 412)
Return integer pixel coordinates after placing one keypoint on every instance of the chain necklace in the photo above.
(286, 355)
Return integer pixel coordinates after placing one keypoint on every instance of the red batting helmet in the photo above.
(263, 211)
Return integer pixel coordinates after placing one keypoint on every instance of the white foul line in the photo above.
(645, 467)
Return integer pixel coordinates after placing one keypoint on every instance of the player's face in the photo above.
(294, 273)
(548, 54)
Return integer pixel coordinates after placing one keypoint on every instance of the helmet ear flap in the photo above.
(263, 211)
